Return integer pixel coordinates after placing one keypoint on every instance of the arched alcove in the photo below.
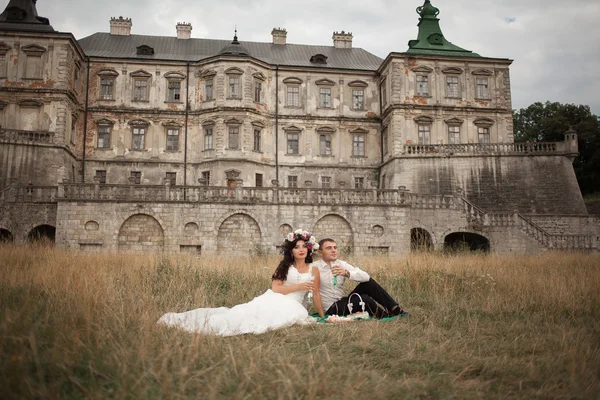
(337, 228)
(6, 236)
(239, 234)
(42, 234)
(466, 241)
(140, 232)
(420, 240)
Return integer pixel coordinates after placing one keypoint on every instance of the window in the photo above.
(106, 88)
(452, 86)
(100, 176)
(293, 96)
(136, 177)
(33, 61)
(140, 90)
(258, 179)
(482, 88)
(422, 85)
(171, 177)
(292, 181)
(172, 139)
(325, 144)
(104, 136)
(33, 67)
(73, 128)
(358, 145)
(358, 99)
(234, 87)
(325, 97)
(483, 134)
(208, 138)
(256, 146)
(257, 91)
(206, 178)
(326, 182)
(208, 90)
(424, 133)
(453, 134)
(174, 93)
(76, 79)
(234, 137)
(384, 139)
(138, 141)
(292, 143)
(384, 93)
(359, 182)
(4, 49)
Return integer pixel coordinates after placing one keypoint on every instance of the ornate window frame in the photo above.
(234, 92)
(140, 76)
(293, 82)
(174, 77)
(422, 71)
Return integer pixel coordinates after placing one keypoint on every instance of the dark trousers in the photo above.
(378, 302)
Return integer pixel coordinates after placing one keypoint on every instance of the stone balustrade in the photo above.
(251, 195)
(29, 194)
(542, 148)
(17, 136)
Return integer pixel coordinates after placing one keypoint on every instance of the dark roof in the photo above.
(21, 15)
(170, 48)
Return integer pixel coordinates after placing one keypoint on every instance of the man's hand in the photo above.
(337, 270)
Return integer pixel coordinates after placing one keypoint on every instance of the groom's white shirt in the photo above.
(329, 293)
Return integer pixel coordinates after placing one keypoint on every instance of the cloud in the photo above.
(552, 60)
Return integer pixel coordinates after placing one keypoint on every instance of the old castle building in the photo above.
(124, 141)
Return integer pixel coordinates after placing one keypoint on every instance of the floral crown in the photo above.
(299, 234)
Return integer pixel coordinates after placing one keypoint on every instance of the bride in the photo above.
(281, 306)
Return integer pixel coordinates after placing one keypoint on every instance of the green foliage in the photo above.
(548, 122)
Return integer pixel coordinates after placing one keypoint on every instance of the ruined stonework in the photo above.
(116, 142)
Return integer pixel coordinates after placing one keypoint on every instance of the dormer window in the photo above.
(318, 59)
(145, 50)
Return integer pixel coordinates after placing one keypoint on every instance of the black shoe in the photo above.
(399, 312)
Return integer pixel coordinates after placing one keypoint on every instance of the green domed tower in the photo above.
(431, 40)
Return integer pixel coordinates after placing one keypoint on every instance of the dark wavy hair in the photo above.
(281, 272)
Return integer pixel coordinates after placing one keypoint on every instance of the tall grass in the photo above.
(76, 325)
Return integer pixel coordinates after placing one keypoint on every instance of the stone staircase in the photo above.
(477, 216)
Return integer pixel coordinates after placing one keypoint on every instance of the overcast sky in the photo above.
(555, 44)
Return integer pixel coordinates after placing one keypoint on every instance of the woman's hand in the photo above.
(305, 286)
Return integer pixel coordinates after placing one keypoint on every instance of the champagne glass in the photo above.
(311, 278)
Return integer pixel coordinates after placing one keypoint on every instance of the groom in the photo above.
(333, 272)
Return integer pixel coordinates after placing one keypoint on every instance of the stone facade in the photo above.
(134, 147)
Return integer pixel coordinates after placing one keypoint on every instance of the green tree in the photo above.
(548, 122)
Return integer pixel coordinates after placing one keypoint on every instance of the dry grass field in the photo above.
(76, 325)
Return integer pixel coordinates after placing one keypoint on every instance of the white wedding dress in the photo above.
(268, 311)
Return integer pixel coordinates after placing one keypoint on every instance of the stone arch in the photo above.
(6, 236)
(191, 228)
(92, 226)
(239, 233)
(338, 228)
(140, 232)
(42, 234)
(284, 229)
(466, 241)
(420, 240)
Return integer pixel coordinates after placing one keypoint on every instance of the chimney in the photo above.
(120, 26)
(279, 35)
(342, 40)
(184, 30)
